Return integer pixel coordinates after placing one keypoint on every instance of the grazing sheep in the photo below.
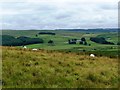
(92, 55)
(24, 47)
(34, 49)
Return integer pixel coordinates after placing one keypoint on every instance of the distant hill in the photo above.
(77, 30)
(92, 30)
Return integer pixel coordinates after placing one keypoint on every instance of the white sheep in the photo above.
(24, 47)
(92, 55)
(34, 49)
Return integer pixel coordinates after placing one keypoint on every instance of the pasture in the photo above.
(61, 41)
(24, 68)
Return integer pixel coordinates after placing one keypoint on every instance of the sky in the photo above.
(58, 14)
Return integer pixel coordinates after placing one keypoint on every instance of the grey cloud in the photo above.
(109, 6)
(52, 15)
(63, 16)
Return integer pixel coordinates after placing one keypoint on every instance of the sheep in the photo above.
(24, 47)
(92, 55)
(34, 49)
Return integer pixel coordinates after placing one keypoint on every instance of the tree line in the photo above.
(49, 33)
(8, 40)
(100, 40)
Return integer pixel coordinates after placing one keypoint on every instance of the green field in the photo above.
(61, 41)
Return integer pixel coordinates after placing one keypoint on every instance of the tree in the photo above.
(51, 42)
(118, 43)
(84, 50)
(81, 42)
(89, 44)
(85, 43)
(83, 39)
(36, 35)
(49, 33)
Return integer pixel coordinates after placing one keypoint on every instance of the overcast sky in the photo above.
(55, 14)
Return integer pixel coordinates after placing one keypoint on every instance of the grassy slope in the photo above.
(61, 41)
(26, 68)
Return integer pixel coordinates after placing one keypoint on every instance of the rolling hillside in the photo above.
(24, 68)
(61, 38)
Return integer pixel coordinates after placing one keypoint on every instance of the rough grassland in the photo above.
(52, 69)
